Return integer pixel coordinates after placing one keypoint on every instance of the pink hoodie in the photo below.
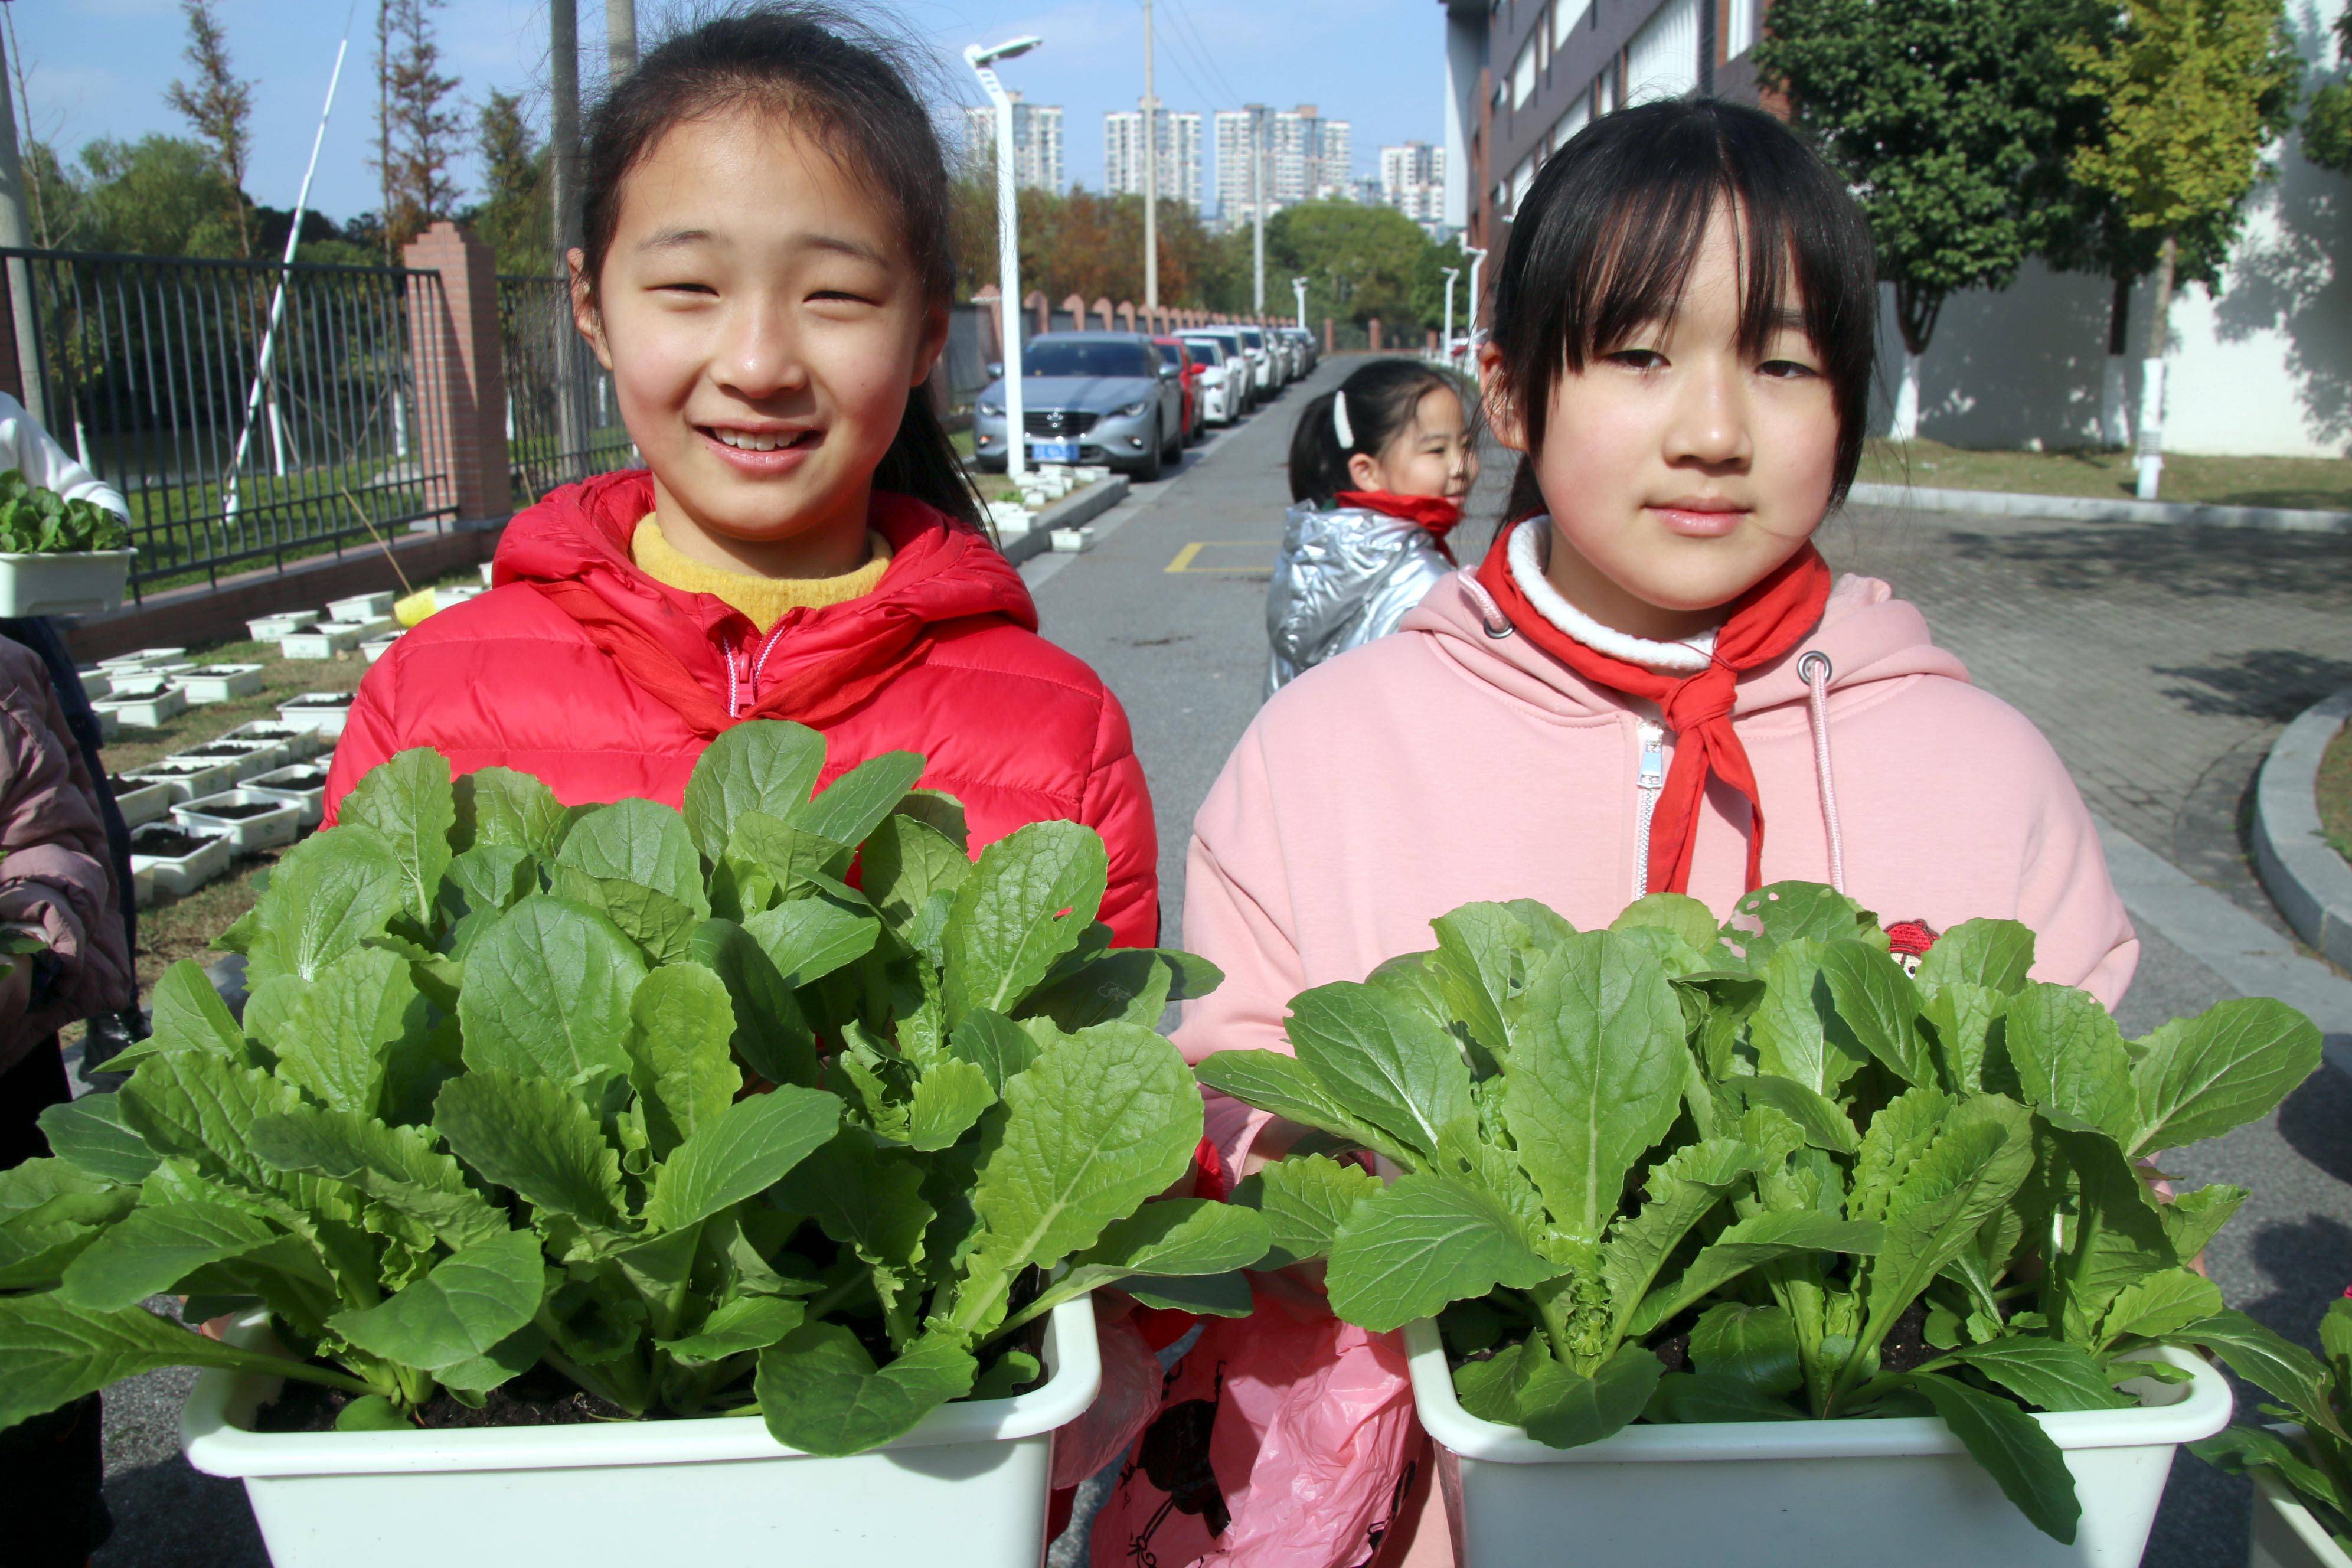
(1314, 858)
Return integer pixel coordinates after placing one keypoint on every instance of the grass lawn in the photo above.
(2335, 790)
(2310, 483)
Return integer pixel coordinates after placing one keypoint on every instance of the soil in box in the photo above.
(537, 1398)
(166, 843)
(238, 811)
(218, 749)
(287, 779)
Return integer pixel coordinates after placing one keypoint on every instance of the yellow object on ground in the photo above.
(413, 608)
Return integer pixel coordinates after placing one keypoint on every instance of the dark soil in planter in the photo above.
(218, 749)
(238, 811)
(166, 843)
(537, 1398)
(308, 778)
(122, 786)
(1905, 1347)
(325, 699)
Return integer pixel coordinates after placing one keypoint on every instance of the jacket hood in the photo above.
(1867, 634)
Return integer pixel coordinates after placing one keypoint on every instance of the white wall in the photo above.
(2264, 367)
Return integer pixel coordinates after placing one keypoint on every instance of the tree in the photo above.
(160, 196)
(219, 107)
(418, 122)
(2327, 128)
(516, 210)
(2186, 86)
(1361, 263)
(1948, 118)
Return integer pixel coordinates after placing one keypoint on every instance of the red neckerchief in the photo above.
(1434, 515)
(1765, 622)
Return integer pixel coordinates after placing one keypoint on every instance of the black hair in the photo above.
(1382, 397)
(1606, 237)
(847, 85)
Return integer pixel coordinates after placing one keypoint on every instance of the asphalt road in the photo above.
(1169, 607)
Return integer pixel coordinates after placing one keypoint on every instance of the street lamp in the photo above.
(1008, 247)
(1447, 338)
(1477, 260)
(1299, 287)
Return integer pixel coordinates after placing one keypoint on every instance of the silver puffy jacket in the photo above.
(1343, 578)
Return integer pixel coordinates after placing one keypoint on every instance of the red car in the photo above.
(1173, 351)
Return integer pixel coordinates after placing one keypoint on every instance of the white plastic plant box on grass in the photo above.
(360, 607)
(378, 647)
(95, 682)
(966, 1487)
(321, 712)
(1798, 1494)
(323, 641)
(253, 820)
(247, 757)
(182, 870)
(65, 583)
(141, 801)
(146, 712)
(284, 624)
(2285, 1533)
(191, 776)
(304, 784)
(143, 656)
(221, 682)
(300, 741)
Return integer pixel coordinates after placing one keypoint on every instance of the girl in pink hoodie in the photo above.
(1652, 667)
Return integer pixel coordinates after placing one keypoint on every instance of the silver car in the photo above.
(1087, 397)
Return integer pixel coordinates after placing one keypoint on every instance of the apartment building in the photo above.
(1036, 143)
(1179, 142)
(1308, 158)
(1412, 180)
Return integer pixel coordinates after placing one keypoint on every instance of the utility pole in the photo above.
(563, 159)
(1257, 206)
(620, 39)
(1150, 174)
(15, 235)
(1008, 243)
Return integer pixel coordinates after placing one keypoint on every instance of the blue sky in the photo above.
(99, 68)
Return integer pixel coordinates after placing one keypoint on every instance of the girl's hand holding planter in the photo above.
(1674, 1172)
(655, 1100)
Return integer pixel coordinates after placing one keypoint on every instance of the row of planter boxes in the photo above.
(256, 787)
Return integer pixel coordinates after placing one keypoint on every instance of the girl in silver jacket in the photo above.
(1378, 473)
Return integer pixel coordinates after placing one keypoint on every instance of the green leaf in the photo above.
(1995, 955)
(1824, 1124)
(820, 1393)
(863, 1197)
(501, 808)
(396, 1166)
(2161, 1305)
(1103, 1119)
(808, 939)
(1381, 1060)
(1482, 960)
(1789, 1029)
(1682, 1189)
(152, 1249)
(1980, 1154)
(1877, 1007)
(1565, 1409)
(2279, 1367)
(547, 994)
(1162, 1243)
(1963, 1016)
(1679, 913)
(203, 1107)
(1689, 1396)
(493, 877)
(1282, 1085)
(2048, 1373)
(684, 1067)
(1203, 1295)
(2192, 1218)
(746, 1323)
(339, 1027)
(656, 922)
(90, 1135)
(1595, 1075)
(409, 800)
(1753, 1346)
(536, 1137)
(2071, 1062)
(470, 1302)
(768, 766)
(1027, 902)
(2119, 1236)
(1131, 985)
(994, 1044)
(327, 895)
(640, 843)
(906, 865)
(1307, 1197)
(949, 1098)
(740, 1152)
(772, 1033)
(854, 805)
(52, 1352)
(1764, 1237)
(1782, 912)
(372, 1413)
(189, 1014)
(765, 850)
(1421, 1242)
(2014, 1450)
(2199, 1077)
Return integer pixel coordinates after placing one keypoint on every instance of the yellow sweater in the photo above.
(766, 600)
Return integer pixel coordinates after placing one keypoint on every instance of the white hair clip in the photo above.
(1339, 421)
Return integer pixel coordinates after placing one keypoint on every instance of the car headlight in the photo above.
(1129, 412)
(991, 409)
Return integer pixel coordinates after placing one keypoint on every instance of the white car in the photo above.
(1239, 367)
(1217, 383)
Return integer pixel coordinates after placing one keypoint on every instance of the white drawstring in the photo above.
(1497, 624)
(1816, 671)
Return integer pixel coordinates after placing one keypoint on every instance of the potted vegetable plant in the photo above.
(1766, 1193)
(2302, 1464)
(58, 557)
(792, 1189)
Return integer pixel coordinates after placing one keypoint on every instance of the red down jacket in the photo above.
(578, 668)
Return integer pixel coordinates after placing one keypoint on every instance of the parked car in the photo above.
(1219, 381)
(1310, 352)
(1269, 373)
(1087, 397)
(1173, 351)
(1255, 389)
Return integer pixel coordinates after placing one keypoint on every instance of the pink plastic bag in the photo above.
(1128, 1400)
(1281, 1442)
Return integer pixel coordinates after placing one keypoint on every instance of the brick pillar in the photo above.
(461, 384)
(1102, 313)
(990, 304)
(1376, 334)
(1429, 335)
(1328, 346)
(1076, 305)
(1036, 303)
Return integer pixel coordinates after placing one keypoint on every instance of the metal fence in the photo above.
(151, 370)
(563, 421)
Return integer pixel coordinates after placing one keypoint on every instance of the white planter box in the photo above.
(486, 574)
(1798, 1494)
(178, 876)
(1071, 540)
(305, 786)
(302, 743)
(95, 682)
(378, 649)
(142, 801)
(251, 757)
(968, 1486)
(69, 582)
(2285, 1535)
(285, 623)
(325, 642)
(191, 777)
(250, 834)
(360, 607)
(139, 681)
(324, 719)
(143, 656)
(221, 682)
(146, 712)
(110, 724)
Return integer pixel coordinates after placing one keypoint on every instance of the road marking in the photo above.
(1183, 563)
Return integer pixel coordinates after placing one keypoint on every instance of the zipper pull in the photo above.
(1654, 755)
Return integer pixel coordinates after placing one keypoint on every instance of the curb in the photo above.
(1072, 510)
(2309, 881)
(2092, 509)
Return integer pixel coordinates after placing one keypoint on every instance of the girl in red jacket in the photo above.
(766, 273)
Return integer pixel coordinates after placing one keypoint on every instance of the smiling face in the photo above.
(763, 327)
(1433, 454)
(1678, 468)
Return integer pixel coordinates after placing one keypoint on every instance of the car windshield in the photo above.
(1050, 356)
(1256, 338)
(1205, 350)
(1170, 353)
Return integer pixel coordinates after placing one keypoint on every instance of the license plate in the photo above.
(1053, 451)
